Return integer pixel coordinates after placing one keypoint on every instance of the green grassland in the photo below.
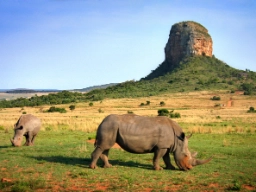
(59, 162)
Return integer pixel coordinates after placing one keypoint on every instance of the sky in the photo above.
(74, 44)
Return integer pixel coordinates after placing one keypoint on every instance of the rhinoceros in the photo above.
(138, 134)
(28, 125)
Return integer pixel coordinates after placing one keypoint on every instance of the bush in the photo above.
(251, 110)
(130, 112)
(90, 104)
(72, 107)
(162, 103)
(216, 98)
(56, 109)
(163, 112)
(175, 115)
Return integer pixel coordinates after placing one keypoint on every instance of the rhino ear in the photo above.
(20, 128)
(182, 136)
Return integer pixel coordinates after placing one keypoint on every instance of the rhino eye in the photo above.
(21, 127)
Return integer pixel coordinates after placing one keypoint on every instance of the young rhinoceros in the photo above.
(28, 126)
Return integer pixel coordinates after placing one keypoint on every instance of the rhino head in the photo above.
(17, 138)
(183, 157)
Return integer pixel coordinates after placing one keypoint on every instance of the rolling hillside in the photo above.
(193, 74)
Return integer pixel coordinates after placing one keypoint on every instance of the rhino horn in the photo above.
(12, 142)
(189, 136)
(200, 162)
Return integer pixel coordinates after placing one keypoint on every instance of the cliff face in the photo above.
(187, 39)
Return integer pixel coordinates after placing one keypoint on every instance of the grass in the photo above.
(61, 155)
(59, 161)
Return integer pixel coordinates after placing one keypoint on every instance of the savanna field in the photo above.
(60, 158)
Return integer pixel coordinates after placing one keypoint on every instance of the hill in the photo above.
(87, 89)
(192, 74)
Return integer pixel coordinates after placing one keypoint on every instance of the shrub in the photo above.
(147, 102)
(72, 107)
(24, 112)
(216, 98)
(142, 104)
(90, 104)
(56, 109)
(175, 115)
(163, 112)
(130, 112)
(162, 103)
(251, 110)
(100, 110)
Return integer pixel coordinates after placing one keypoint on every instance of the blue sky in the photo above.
(72, 44)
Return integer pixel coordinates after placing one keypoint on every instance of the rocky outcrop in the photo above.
(187, 39)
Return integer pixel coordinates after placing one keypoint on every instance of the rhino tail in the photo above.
(95, 143)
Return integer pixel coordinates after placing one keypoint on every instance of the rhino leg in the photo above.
(29, 138)
(167, 161)
(95, 156)
(33, 139)
(104, 158)
(158, 154)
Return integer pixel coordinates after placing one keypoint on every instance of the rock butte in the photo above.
(187, 39)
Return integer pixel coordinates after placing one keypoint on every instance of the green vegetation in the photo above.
(56, 109)
(72, 107)
(192, 74)
(216, 98)
(59, 162)
(251, 110)
(171, 114)
(163, 112)
(147, 103)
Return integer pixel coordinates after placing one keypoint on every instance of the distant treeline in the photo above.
(30, 91)
(62, 97)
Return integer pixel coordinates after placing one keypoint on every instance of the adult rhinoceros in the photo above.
(28, 125)
(138, 134)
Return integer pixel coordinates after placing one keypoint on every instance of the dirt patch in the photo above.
(249, 187)
(116, 146)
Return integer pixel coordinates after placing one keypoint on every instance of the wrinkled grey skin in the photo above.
(28, 126)
(138, 134)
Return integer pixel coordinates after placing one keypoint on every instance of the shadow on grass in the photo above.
(85, 162)
(6, 146)
(82, 162)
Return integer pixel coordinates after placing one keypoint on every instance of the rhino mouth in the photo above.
(186, 164)
(14, 143)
